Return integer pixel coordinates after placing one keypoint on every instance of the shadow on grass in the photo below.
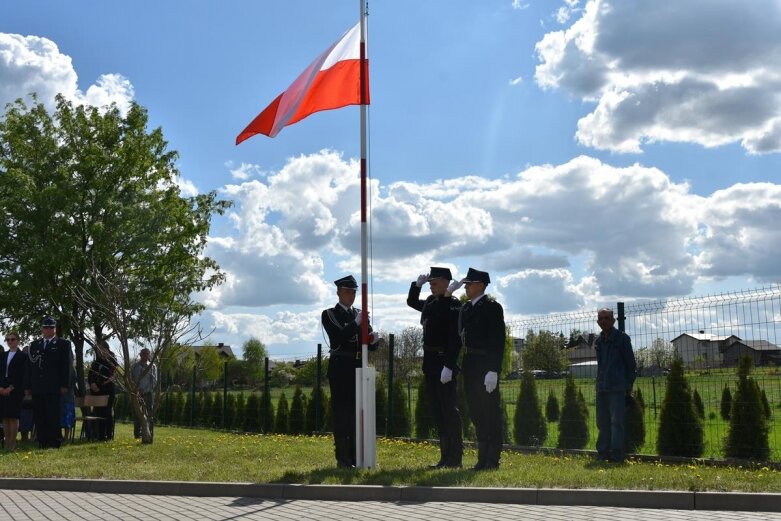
(422, 477)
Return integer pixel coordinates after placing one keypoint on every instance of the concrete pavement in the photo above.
(43, 505)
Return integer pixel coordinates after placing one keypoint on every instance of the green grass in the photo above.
(202, 455)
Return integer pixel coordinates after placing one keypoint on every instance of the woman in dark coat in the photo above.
(101, 382)
(13, 370)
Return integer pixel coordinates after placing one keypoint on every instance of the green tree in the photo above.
(207, 403)
(530, 426)
(680, 427)
(573, 424)
(698, 405)
(312, 413)
(306, 375)
(635, 425)
(252, 414)
(726, 402)
(266, 413)
(552, 407)
(101, 186)
(240, 415)
(254, 355)
(400, 426)
(765, 405)
(381, 407)
(230, 411)
(297, 421)
(424, 423)
(507, 356)
(639, 397)
(748, 426)
(217, 410)
(544, 351)
(282, 422)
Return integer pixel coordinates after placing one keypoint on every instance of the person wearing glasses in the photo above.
(13, 371)
(439, 318)
(481, 327)
(47, 382)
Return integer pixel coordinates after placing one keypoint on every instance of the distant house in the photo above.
(761, 352)
(700, 349)
(584, 369)
(518, 344)
(581, 348)
(225, 351)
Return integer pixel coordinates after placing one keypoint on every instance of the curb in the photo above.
(662, 499)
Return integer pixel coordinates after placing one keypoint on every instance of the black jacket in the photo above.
(482, 328)
(17, 373)
(49, 369)
(439, 318)
(343, 336)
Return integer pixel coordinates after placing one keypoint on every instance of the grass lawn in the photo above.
(203, 455)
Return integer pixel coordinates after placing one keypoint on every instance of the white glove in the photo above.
(454, 286)
(374, 337)
(422, 279)
(447, 375)
(358, 317)
(491, 379)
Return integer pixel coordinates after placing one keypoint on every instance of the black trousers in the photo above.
(46, 415)
(447, 417)
(342, 384)
(485, 410)
(105, 427)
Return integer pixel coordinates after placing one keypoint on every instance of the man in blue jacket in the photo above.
(616, 371)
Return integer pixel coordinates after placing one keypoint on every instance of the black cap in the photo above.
(440, 273)
(346, 282)
(474, 275)
(48, 321)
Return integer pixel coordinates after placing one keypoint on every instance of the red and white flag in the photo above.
(331, 81)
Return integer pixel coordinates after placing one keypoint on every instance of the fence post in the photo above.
(389, 419)
(192, 399)
(621, 317)
(267, 422)
(318, 383)
(225, 395)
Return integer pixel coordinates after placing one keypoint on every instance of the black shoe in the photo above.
(603, 456)
(438, 465)
(480, 465)
(454, 465)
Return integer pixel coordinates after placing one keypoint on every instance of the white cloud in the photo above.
(516, 81)
(539, 291)
(33, 64)
(186, 187)
(519, 5)
(700, 71)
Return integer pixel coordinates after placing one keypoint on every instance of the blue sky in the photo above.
(582, 152)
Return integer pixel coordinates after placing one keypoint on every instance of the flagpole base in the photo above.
(365, 418)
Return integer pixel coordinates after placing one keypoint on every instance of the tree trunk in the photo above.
(139, 414)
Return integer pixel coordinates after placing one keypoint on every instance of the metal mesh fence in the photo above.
(709, 334)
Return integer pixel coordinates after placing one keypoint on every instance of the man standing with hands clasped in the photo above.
(47, 381)
(481, 326)
(616, 372)
(439, 318)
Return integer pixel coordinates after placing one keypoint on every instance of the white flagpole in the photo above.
(365, 427)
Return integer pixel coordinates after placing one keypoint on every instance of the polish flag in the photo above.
(330, 82)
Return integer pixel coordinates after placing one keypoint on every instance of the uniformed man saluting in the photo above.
(481, 326)
(441, 345)
(47, 381)
(342, 323)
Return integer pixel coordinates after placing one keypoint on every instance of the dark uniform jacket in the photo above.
(343, 337)
(616, 368)
(49, 369)
(101, 372)
(17, 373)
(439, 317)
(482, 331)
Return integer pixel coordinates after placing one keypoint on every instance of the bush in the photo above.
(552, 407)
(266, 413)
(530, 426)
(297, 420)
(748, 426)
(400, 425)
(638, 394)
(726, 402)
(380, 407)
(252, 414)
(313, 414)
(635, 424)
(230, 412)
(680, 427)
(424, 423)
(184, 412)
(240, 413)
(765, 405)
(573, 424)
(216, 410)
(698, 405)
(204, 411)
(282, 422)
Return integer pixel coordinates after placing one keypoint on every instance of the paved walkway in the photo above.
(53, 505)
